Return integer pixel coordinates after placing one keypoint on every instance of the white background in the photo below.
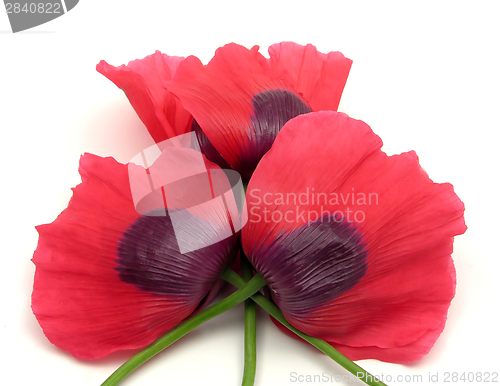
(425, 77)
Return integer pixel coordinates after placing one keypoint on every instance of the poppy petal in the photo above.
(207, 148)
(335, 167)
(242, 100)
(219, 96)
(319, 78)
(96, 289)
(143, 82)
(403, 354)
(317, 262)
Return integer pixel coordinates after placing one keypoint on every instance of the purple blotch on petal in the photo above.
(312, 264)
(149, 258)
(207, 148)
(271, 110)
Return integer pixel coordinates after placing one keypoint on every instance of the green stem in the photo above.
(166, 340)
(250, 329)
(273, 310)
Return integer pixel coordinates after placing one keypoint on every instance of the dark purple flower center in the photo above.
(312, 265)
(271, 110)
(149, 258)
(207, 148)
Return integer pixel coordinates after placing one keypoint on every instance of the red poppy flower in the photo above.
(354, 244)
(108, 278)
(239, 101)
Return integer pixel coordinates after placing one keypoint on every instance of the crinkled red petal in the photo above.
(407, 221)
(143, 81)
(409, 353)
(78, 298)
(319, 78)
(392, 308)
(219, 95)
(222, 94)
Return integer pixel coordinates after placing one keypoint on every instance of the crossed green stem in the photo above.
(246, 290)
(273, 310)
(250, 364)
